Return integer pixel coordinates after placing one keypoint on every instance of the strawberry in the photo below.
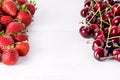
(22, 48)
(5, 41)
(21, 37)
(21, 2)
(5, 20)
(24, 17)
(10, 7)
(31, 8)
(15, 27)
(10, 56)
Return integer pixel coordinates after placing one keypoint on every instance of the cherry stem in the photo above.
(81, 22)
(100, 19)
(109, 57)
(114, 37)
(92, 17)
(108, 34)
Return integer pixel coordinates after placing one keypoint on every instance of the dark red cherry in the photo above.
(116, 9)
(97, 43)
(116, 21)
(94, 27)
(115, 31)
(100, 5)
(110, 46)
(102, 37)
(106, 31)
(100, 53)
(84, 11)
(85, 32)
(97, 33)
(115, 40)
(110, 1)
(87, 3)
(106, 16)
(116, 54)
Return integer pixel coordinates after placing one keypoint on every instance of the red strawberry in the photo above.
(15, 27)
(21, 2)
(5, 20)
(22, 48)
(9, 7)
(24, 17)
(10, 56)
(21, 37)
(6, 41)
(31, 8)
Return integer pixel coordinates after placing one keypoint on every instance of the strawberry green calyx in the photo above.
(2, 33)
(23, 7)
(10, 47)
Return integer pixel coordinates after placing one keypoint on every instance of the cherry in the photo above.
(103, 24)
(106, 16)
(110, 1)
(102, 37)
(116, 21)
(100, 53)
(100, 5)
(87, 3)
(97, 43)
(85, 31)
(93, 28)
(116, 9)
(106, 31)
(110, 46)
(84, 11)
(97, 33)
(116, 54)
(115, 31)
(90, 18)
(115, 40)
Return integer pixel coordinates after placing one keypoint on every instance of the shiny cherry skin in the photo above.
(97, 43)
(100, 53)
(93, 28)
(100, 5)
(85, 32)
(87, 3)
(108, 15)
(97, 33)
(115, 31)
(106, 31)
(110, 47)
(84, 11)
(116, 9)
(116, 54)
(102, 37)
(115, 40)
(116, 21)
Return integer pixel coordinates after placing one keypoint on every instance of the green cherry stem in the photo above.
(92, 17)
(100, 19)
(109, 29)
(114, 37)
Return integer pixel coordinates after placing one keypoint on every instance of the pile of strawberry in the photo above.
(15, 17)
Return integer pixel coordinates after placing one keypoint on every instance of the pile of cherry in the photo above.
(15, 17)
(103, 25)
